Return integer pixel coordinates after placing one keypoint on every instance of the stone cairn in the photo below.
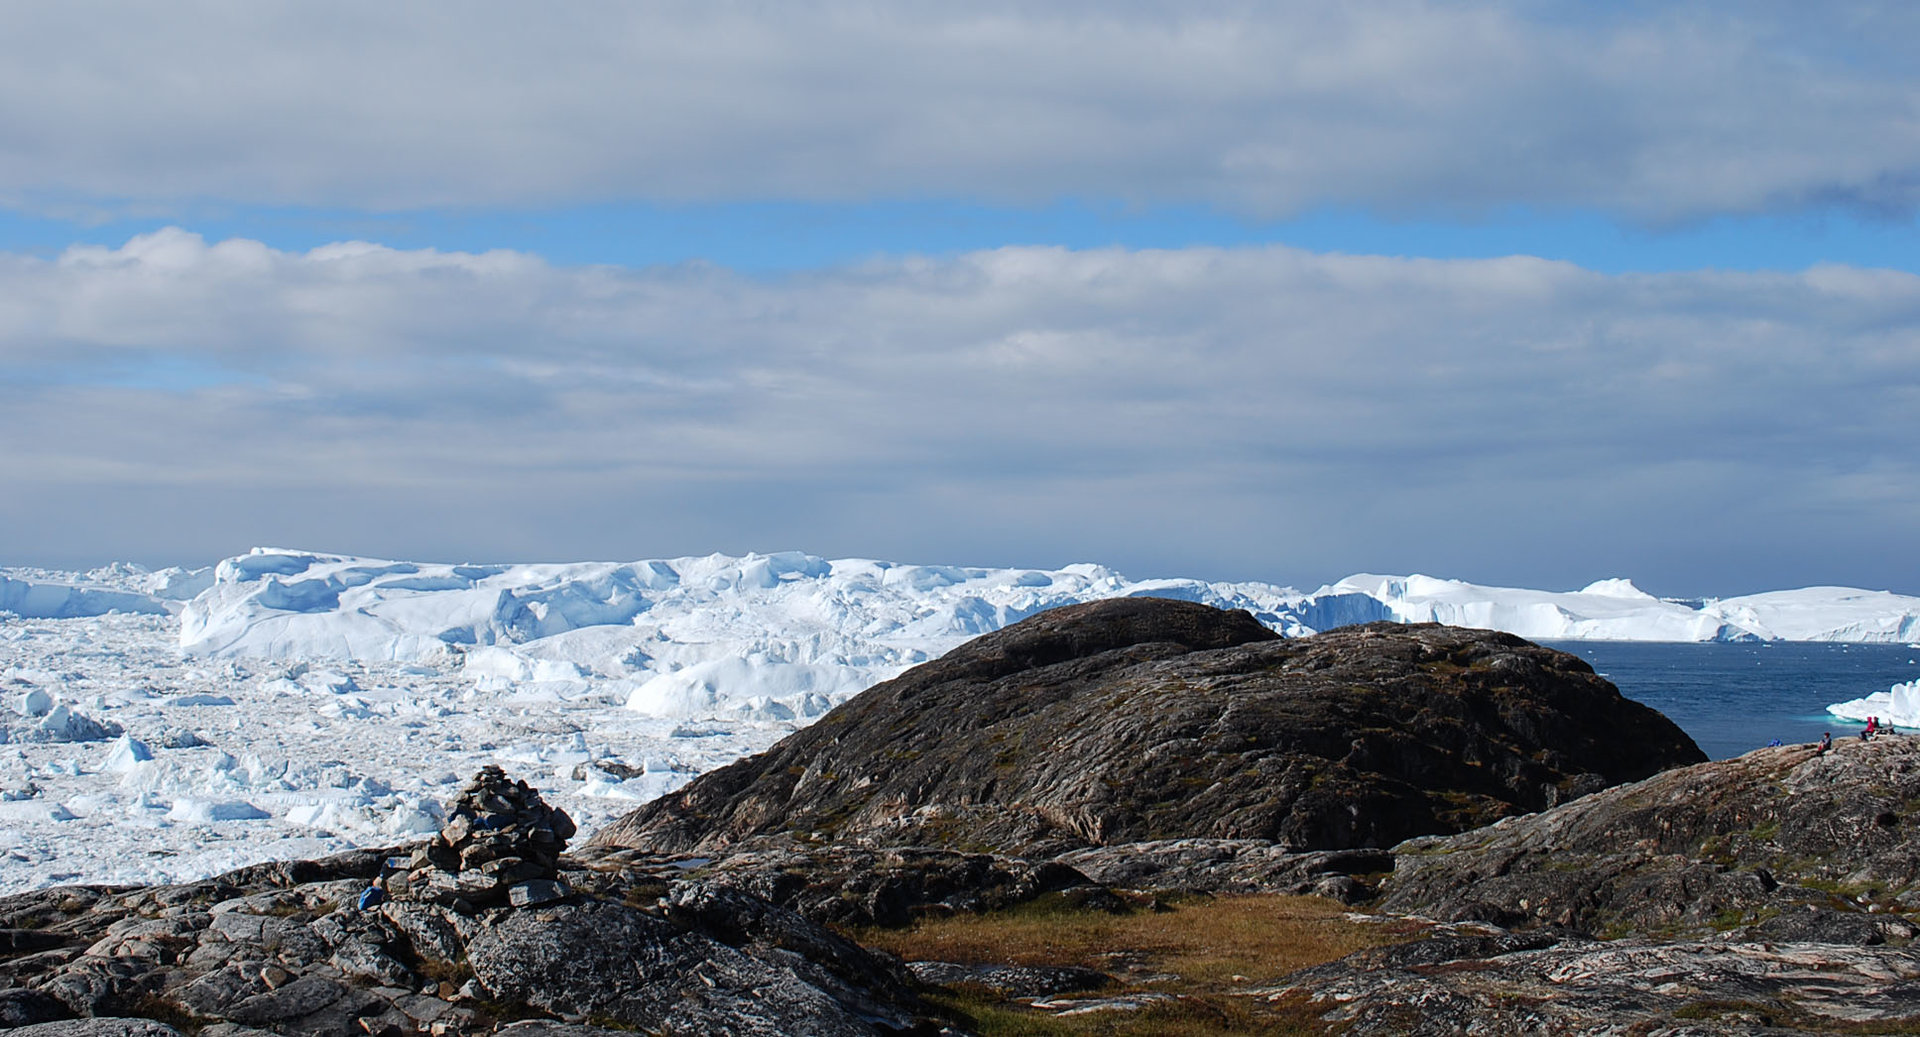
(500, 846)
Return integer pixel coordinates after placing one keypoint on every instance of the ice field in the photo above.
(160, 726)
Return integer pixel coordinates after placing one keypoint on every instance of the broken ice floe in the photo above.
(195, 810)
(60, 723)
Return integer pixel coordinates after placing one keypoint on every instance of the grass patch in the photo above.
(491, 1014)
(1260, 937)
(645, 894)
(442, 971)
(1210, 947)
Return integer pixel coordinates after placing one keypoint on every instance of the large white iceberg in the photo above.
(1898, 706)
(1824, 614)
(1616, 610)
(119, 587)
(1608, 610)
(774, 636)
(786, 635)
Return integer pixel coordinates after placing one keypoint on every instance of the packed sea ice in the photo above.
(195, 765)
(300, 703)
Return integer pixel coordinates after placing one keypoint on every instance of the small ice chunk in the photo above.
(346, 709)
(416, 816)
(192, 810)
(35, 702)
(180, 738)
(62, 724)
(329, 681)
(200, 700)
(762, 707)
(127, 753)
(16, 813)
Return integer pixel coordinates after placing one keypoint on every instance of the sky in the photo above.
(1522, 293)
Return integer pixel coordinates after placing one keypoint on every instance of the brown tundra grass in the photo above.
(1212, 946)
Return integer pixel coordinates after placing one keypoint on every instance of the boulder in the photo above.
(24, 1006)
(1148, 719)
(617, 963)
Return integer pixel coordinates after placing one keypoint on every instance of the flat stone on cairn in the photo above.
(501, 845)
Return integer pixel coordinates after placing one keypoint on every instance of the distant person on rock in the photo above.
(1826, 741)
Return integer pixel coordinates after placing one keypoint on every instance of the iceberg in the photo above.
(782, 636)
(119, 587)
(1606, 610)
(1845, 614)
(49, 599)
(760, 637)
(1898, 706)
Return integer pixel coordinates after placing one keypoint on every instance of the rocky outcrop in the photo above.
(1233, 866)
(1145, 719)
(615, 962)
(889, 886)
(1770, 893)
(1470, 980)
(312, 948)
(1781, 833)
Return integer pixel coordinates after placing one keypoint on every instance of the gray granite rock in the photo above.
(615, 962)
(1012, 981)
(24, 1006)
(1540, 983)
(1697, 850)
(97, 1027)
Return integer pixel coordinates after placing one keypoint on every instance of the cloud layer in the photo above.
(1263, 109)
(1244, 413)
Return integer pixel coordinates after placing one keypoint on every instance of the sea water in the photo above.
(1736, 697)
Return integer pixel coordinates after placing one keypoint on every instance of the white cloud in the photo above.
(1643, 110)
(1265, 412)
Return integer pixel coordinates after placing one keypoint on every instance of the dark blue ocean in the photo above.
(1736, 697)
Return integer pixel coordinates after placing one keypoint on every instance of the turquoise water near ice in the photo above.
(1735, 697)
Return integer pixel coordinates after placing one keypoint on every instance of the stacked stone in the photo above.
(501, 845)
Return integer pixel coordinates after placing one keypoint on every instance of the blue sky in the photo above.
(1517, 292)
(772, 236)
